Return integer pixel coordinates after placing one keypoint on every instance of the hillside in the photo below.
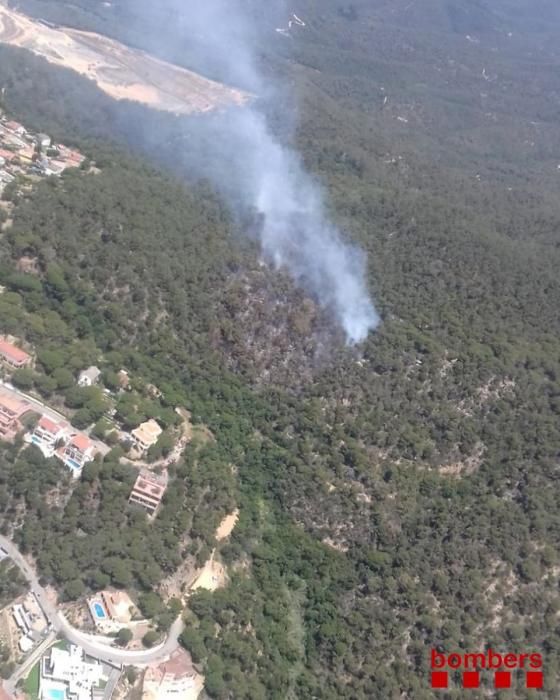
(121, 72)
(395, 497)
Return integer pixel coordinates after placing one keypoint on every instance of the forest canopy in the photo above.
(393, 498)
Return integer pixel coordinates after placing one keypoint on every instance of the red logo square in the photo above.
(439, 679)
(534, 679)
(502, 679)
(471, 679)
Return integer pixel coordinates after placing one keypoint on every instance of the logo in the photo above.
(500, 666)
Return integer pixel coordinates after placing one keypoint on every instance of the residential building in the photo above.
(147, 492)
(173, 679)
(25, 644)
(21, 619)
(12, 409)
(7, 156)
(89, 376)
(35, 617)
(67, 674)
(26, 154)
(111, 610)
(48, 435)
(44, 140)
(119, 605)
(77, 452)
(123, 378)
(55, 167)
(12, 355)
(71, 157)
(16, 128)
(146, 434)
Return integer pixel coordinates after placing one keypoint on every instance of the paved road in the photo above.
(90, 643)
(111, 684)
(22, 670)
(39, 405)
(51, 413)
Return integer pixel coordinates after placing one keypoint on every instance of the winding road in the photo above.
(91, 644)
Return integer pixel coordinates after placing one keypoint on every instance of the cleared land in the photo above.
(226, 526)
(122, 72)
(212, 576)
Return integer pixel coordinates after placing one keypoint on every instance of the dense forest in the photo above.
(393, 497)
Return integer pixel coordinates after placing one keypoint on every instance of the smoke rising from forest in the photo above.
(267, 177)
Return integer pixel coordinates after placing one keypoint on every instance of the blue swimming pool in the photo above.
(99, 611)
(56, 694)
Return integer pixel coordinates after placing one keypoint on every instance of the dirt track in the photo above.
(121, 72)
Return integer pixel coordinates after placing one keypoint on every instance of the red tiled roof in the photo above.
(48, 424)
(82, 442)
(178, 665)
(12, 352)
(10, 402)
(13, 125)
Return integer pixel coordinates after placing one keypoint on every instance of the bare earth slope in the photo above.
(121, 72)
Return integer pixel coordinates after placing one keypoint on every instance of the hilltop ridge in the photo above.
(121, 72)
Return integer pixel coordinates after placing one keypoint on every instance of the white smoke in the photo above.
(295, 234)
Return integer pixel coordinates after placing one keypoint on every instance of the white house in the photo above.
(44, 140)
(77, 452)
(89, 376)
(66, 674)
(48, 435)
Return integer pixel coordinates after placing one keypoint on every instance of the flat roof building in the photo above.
(147, 492)
(66, 674)
(146, 434)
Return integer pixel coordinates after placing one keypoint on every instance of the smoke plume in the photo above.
(263, 174)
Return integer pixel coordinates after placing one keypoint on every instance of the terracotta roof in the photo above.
(12, 352)
(48, 424)
(82, 442)
(12, 403)
(178, 666)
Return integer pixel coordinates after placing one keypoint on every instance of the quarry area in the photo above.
(121, 72)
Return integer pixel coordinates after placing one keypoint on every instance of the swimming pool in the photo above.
(99, 611)
(56, 694)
